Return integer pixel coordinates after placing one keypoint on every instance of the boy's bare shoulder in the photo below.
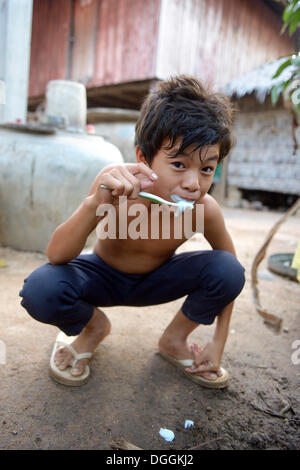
(214, 225)
(212, 210)
(215, 230)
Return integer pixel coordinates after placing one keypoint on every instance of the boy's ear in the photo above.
(140, 156)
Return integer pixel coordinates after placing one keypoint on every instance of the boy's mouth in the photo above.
(189, 199)
(178, 199)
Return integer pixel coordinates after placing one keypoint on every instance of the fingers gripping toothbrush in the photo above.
(181, 204)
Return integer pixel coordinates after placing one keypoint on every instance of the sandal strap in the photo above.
(77, 356)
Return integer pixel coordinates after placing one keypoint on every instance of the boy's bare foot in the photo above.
(181, 350)
(92, 334)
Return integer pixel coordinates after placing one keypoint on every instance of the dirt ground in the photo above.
(133, 392)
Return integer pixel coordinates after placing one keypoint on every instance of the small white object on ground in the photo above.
(167, 434)
(188, 423)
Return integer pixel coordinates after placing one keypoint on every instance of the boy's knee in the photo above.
(229, 274)
(43, 295)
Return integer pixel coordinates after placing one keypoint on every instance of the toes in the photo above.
(78, 369)
(63, 365)
(58, 358)
(62, 358)
(76, 372)
(210, 375)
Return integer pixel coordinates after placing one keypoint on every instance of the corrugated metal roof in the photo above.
(259, 81)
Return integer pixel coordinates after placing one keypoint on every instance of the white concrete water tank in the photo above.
(43, 179)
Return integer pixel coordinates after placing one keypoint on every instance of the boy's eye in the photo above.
(177, 164)
(208, 169)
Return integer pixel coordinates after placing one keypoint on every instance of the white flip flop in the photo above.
(219, 382)
(64, 376)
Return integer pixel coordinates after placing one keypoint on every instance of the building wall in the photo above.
(126, 41)
(218, 40)
(263, 156)
(107, 42)
(96, 42)
(49, 43)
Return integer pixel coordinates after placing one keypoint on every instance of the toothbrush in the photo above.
(180, 203)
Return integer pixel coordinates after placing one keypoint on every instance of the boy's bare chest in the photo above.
(140, 242)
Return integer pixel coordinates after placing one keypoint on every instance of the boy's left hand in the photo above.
(207, 359)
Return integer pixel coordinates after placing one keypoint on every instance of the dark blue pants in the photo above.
(65, 295)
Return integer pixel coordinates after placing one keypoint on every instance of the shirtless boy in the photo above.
(183, 132)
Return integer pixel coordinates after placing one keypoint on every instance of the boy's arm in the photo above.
(216, 234)
(215, 230)
(69, 238)
(124, 179)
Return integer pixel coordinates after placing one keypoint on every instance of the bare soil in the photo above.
(133, 392)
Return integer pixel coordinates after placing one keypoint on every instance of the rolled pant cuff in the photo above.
(201, 319)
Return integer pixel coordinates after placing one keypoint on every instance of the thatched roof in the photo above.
(258, 81)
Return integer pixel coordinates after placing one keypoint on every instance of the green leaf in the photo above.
(294, 22)
(288, 11)
(283, 66)
(275, 92)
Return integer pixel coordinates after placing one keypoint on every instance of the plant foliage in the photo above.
(289, 86)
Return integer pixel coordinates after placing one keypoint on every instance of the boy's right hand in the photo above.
(124, 180)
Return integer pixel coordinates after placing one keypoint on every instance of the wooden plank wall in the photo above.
(107, 42)
(218, 40)
(49, 43)
(96, 42)
(84, 31)
(127, 41)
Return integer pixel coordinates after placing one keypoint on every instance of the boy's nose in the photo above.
(191, 183)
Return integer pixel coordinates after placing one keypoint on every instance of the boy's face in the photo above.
(188, 175)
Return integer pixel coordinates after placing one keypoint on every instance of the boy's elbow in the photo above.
(53, 257)
(53, 261)
(56, 256)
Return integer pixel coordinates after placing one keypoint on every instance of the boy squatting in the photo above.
(182, 133)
